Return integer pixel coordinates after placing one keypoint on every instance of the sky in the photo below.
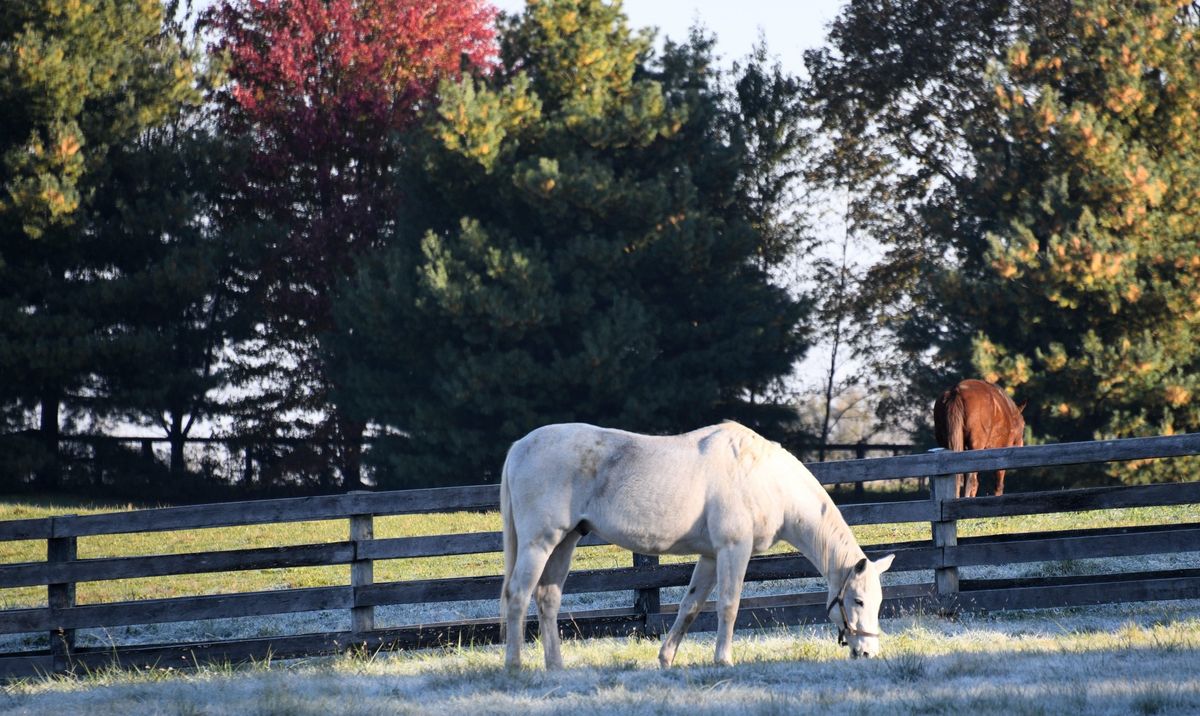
(790, 26)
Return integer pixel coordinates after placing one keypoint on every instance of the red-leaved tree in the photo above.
(319, 91)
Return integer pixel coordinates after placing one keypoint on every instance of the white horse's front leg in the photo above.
(703, 578)
(731, 572)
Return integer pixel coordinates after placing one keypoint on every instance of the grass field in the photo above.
(1113, 659)
(1136, 659)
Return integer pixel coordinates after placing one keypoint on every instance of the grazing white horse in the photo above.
(722, 492)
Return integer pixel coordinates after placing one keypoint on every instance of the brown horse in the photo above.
(975, 415)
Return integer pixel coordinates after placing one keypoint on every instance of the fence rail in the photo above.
(943, 554)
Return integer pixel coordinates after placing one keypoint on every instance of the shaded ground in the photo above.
(1109, 660)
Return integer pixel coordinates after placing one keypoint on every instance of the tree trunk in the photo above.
(351, 434)
(49, 474)
(177, 438)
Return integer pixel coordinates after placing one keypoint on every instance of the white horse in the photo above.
(722, 492)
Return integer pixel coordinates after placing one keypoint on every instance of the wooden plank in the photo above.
(1085, 592)
(946, 462)
(882, 513)
(808, 608)
(293, 509)
(1091, 498)
(38, 528)
(93, 570)
(764, 611)
(1089, 580)
(1119, 542)
(157, 611)
(441, 545)
(15, 667)
(787, 566)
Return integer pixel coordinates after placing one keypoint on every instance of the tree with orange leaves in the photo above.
(1088, 294)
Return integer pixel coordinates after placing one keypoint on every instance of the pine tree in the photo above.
(318, 92)
(902, 91)
(79, 84)
(172, 303)
(579, 245)
(1088, 298)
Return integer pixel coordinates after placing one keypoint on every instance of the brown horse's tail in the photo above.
(955, 416)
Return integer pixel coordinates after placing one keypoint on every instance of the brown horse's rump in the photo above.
(975, 415)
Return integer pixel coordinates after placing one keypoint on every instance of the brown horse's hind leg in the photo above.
(972, 485)
(999, 483)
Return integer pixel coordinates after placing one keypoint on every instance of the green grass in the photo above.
(228, 538)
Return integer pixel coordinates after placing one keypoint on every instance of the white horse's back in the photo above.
(650, 494)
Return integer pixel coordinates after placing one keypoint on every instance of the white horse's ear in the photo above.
(883, 563)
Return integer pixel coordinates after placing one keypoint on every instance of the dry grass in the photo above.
(1111, 660)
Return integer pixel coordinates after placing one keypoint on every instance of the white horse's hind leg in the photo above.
(703, 578)
(548, 596)
(731, 572)
(531, 560)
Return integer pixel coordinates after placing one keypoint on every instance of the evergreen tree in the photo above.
(1035, 162)
(172, 308)
(579, 244)
(1088, 297)
(79, 84)
(902, 91)
(318, 90)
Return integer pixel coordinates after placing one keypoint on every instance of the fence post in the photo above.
(647, 601)
(945, 534)
(860, 453)
(60, 595)
(362, 574)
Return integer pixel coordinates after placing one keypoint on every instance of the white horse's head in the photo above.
(855, 609)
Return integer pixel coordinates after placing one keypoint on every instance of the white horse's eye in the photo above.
(859, 602)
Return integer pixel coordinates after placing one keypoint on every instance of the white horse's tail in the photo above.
(509, 537)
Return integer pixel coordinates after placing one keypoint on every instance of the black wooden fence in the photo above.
(942, 554)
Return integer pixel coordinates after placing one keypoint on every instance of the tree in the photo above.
(79, 84)
(1038, 156)
(1087, 296)
(579, 245)
(172, 308)
(318, 90)
(901, 91)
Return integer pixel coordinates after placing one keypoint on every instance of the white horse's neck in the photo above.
(819, 531)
